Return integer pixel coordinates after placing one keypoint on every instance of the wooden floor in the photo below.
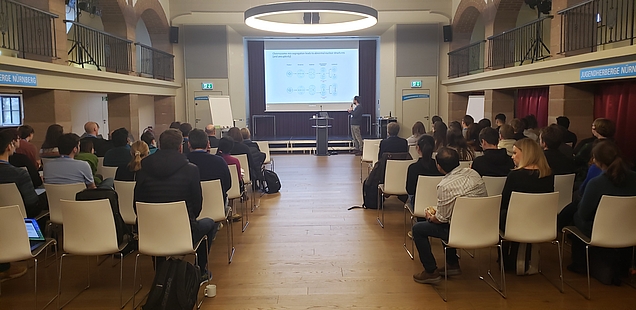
(304, 249)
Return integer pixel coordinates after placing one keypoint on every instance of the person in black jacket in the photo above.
(185, 129)
(550, 139)
(356, 120)
(211, 167)
(211, 132)
(239, 148)
(393, 143)
(167, 176)
(495, 162)
(425, 165)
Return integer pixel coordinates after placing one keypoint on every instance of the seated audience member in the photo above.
(531, 125)
(568, 136)
(257, 156)
(211, 132)
(226, 144)
(440, 132)
(86, 154)
(457, 142)
(211, 167)
(550, 140)
(506, 138)
(483, 123)
(416, 132)
(175, 125)
(615, 180)
(495, 162)
(531, 175)
(472, 135)
(27, 148)
(425, 165)
(119, 155)
(254, 164)
(434, 120)
(185, 129)
(500, 119)
(455, 125)
(518, 127)
(602, 128)
(246, 135)
(457, 182)
(138, 151)
(167, 176)
(67, 170)
(23, 161)
(467, 120)
(149, 138)
(100, 145)
(393, 143)
(49, 146)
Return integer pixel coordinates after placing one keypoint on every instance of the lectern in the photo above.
(322, 134)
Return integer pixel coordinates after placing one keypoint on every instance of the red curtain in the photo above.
(533, 101)
(617, 101)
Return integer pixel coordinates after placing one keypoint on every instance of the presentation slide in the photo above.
(311, 79)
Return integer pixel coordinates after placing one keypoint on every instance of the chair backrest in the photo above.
(213, 150)
(564, 184)
(425, 194)
(245, 166)
(100, 165)
(235, 190)
(413, 151)
(10, 195)
(615, 222)
(213, 205)
(532, 218)
(475, 222)
(395, 176)
(46, 160)
(109, 172)
(465, 163)
(126, 195)
(264, 147)
(89, 227)
(14, 240)
(370, 149)
(55, 192)
(478, 153)
(164, 229)
(494, 185)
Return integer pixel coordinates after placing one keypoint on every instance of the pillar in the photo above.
(123, 111)
(457, 105)
(164, 114)
(43, 108)
(499, 101)
(576, 103)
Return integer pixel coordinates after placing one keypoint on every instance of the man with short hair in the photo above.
(91, 132)
(27, 148)
(467, 120)
(393, 143)
(119, 155)
(568, 136)
(211, 132)
(506, 138)
(495, 162)
(457, 182)
(550, 139)
(65, 169)
(21, 160)
(211, 167)
(185, 129)
(355, 111)
(167, 176)
(500, 119)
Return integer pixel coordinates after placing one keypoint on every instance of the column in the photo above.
(499, 101)
(43, 108)
(457, 105)
(164, 114)
(123, 111)
(576, 103)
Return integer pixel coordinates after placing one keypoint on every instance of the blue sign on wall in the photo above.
(415, 96)
(613, 71)
(12, 78)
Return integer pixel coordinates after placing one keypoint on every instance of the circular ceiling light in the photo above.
(365, 17)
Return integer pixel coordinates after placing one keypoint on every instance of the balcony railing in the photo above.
(26, 30)
(466, 60)
(520, 45)
(154, 62)
(593, 23)
(100, 49)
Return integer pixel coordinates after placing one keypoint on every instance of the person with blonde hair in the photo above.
(138, 151)
(531, 175)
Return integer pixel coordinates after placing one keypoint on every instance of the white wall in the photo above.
(236, 76)
(89, 107)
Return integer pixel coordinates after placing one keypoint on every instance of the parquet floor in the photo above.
(303, 249)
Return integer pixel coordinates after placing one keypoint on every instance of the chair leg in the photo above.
(36, 280)
(230, 241)
(59, 287)
(502, 284)
(380, 208)
(559, 246)
(587, 265)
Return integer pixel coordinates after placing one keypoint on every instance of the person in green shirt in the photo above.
(86, 154)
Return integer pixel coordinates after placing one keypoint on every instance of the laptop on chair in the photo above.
(36, 238)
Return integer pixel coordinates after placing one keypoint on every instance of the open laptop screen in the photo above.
(33, 230)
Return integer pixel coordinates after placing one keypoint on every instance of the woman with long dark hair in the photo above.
(439, 135)
(457, 142)
(425, 165)
(49, 147)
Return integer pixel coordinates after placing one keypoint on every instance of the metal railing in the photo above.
(94, 47)
(597, 22)
(519, 45)
(466, 60)
(154, 62)
(27, 30)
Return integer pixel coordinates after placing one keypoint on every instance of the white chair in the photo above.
(55, 192)
(475, 224)
(213, 150)
(235, 193)
(394, 183)
(214, 208)
(478, 153)
(564, 184)
(413, 151)
(494, 185)
(614, 227)
(247, 177)
(370, 149)
(465, 163)
(532, 218)
(109, 172)
(264, 147)
(164, 230)
(89, 230)
(425, 196)
(15, 245)
(126, 195)
(10, 196)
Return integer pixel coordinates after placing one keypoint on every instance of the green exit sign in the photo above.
(416, 84)
(207, 86)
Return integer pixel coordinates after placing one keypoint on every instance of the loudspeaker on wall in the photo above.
(174, 34)
(448, 33)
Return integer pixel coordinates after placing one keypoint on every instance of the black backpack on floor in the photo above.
(175, 287)
(271, 183)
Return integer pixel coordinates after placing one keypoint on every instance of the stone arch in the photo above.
(506, 16)
(118, 18)
(464, 21)
(153, 15)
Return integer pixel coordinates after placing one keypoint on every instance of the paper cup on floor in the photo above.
(210, 290)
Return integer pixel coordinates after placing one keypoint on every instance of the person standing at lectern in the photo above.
(356, 119)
